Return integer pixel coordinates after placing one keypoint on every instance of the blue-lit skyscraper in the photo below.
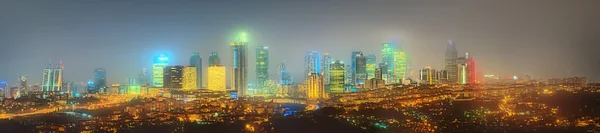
(196, 61)
(285, 78)
(100, 80)
(239, 78)
(312, 63)
(213, 59)
(387, 54)
(160, 62)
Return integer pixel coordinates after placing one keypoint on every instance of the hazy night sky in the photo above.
(541, 38)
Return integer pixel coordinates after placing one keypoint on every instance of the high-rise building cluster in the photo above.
(52, 79)
(458, 70)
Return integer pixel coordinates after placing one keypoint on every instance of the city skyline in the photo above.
(497, 53)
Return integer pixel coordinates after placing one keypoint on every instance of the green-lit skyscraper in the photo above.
(400, 59)
(336, 84)
(262, 65)
(371, 65)
(239, 73)
(387, 54)
(196, 61)
(160, 62)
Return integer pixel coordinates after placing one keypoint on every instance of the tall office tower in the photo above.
(349, 71)
(371, 66)
(239, 78)
(262, 65)
(190, 81)
(360, 73)
(143, 78)
(180, 78)
(172, 77)
(316, 87)
(384, 69)
(353, 65)
(52, 78)
(285, 78)
(196, 61)
(378, 74)
(58, 77)
(409, 72)
(336, 85)
(23, 85)
(216, 78)
(461, 72)
(4, 90)
(90, 87)
(47, 79)
(312, 63)
(100, 79)
(442, 76)
(325, 68)
(160, 62)
(400, 59)
(132, 81)
(451, 62)
(387, 53)
(471, 70)
(428, 76)
(214, 59)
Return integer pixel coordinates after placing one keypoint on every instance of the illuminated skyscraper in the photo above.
(315, 85)
(216, 78)
(336, 84)
(359, 67)
(349, 72)
(451, 62)
(442, 76)
(471, 70)
(371, 65)
(325, 68)
(239, 78)
(52, 78)
(428, 76)
(4, 90)
(387, 54)
(23, 89)
(180, 78)
(312, 63)
(462, 73)
(462, 69)
(173, 77)
(143, 78)
(214, 59)
(100, 80)
(400, 59)
(384, 71)
(189, 81)
(196, 61)
(160, 62)
(262, 65)
(285, 78)
(90, 87)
